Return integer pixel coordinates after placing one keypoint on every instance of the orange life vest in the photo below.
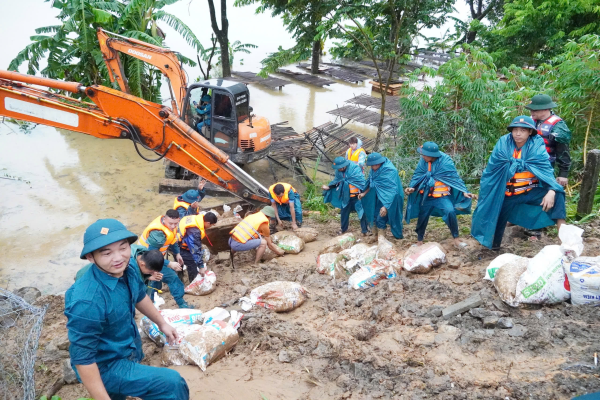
(248, 228)
(353, 190)
(353, 156)
(439, 190)
(180, 203)
(284, 199)
(157, 225)
(521, 182)
(190, 221)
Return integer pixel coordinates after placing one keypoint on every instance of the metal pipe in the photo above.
(74, 87)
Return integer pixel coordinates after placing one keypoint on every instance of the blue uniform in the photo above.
(205, 111)
(183, 212)
(284, 209)
(100, 310)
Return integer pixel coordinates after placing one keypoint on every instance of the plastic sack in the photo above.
(279, 296)
(290, 243)
(328, 263)
(182, 315)
(385, 249)
(307, 234)
(216, 314)
(158, 301)
(339, 243)
(370, 275)
(507, 277)
(212, 342)
(421, 259)
(544, 281)
(205, 254)
(184, 320)
(355, 251)
(171, 356)
(571, 241)
(202, 285)
(497, 263)
(358, 256)
(584, 280)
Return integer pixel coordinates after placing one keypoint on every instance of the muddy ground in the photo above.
(387, 342)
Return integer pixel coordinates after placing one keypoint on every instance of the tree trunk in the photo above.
(471, 35)
(316, 52)
(221, 34)
(225, 64)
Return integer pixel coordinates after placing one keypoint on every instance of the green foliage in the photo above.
(72, 51)
(533, 32)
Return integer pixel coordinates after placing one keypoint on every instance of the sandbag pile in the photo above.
(181, 319)
(279, 296)
(421, 259)
(543, 279)
(202, 285)
(288, 242)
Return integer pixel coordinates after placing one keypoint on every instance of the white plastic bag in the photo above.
(339, 243)
(291, 244)
(571, 241)
(216, 314)
(307, 234)
(327, 263)
(205, 254)
(279, 296)
(584, 280)
(544, 280)
(497, 263)
(421, 259)
(181, 319)
(202, 285)
(158, 301)
(385, 249)
(370, 275)
(209, 344)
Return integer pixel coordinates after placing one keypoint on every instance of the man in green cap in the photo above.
(188, 203)
(254, 232)
(436, 189)
(385, 206)
(555, 133)
(342, 192)
(106, 347)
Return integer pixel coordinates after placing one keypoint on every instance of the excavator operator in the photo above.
(204, 110)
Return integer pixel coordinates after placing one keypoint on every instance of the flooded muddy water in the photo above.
(75, 179)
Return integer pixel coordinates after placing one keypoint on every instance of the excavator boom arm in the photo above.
(115, 114)
(162, 58)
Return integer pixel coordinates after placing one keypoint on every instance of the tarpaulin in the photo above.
(339, 196)
(386, 188)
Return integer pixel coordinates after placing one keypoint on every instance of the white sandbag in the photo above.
(571, 241)
(370, 275)
(291, 244)
(355, 251)
(421, 259)
(584, 280)
(181, 319)
(205, 254)
(507, 277)
(307, 234)
(498, 262)
(329, 263)
(279, 296)
(202, 285)
(339, 243)
(212, 342)
(171, 356)
(544, 280)
(216, 314)
(385, 249)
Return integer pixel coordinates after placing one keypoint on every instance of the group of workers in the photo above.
(517, 186)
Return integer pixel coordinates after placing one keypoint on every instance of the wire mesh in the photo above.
(456, 134)
(20, 329)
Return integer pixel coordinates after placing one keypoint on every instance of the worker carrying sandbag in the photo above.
(189, 202)
(285, 200)
(342, 192)
(161, 235)
(106, 347)
(383, 199)
(436, 189)
(517, 186)
(253, 232)
(190, 232)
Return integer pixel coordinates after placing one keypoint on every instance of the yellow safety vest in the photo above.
(521, 182)
(353, 156)
(157, 225)
(248, 228)
(180, 203)
(190, 221)
(284, 199)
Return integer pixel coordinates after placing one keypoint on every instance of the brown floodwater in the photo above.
(75, 179)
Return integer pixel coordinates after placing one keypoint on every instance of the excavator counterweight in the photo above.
(114, 114)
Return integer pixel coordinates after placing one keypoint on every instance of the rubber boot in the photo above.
(381, 233)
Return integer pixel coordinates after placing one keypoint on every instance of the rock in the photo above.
(53, 353)
(462, 307)
(490, 322)
(424, 339)
(365, 332)
(359, 371)
(480, 313)
(344, 381)
(61, 342)
(447, 333)
(284, 357)
(505, 323)
(322, 350)
(29, 294)
(359, 301)
(501, 306)
(517, 331)
(453, 262)
(68, 372)
(241, 289)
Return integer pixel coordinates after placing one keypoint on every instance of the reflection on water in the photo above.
(76, 179)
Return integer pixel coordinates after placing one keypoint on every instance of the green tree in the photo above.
(72, 52)
(302, 19)
(222, 35)
(383, 31)
(533, 32)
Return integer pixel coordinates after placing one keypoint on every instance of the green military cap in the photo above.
(541, 102)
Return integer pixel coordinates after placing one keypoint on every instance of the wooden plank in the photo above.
(179, 186)
(589, 183)
(306, 78)
(252, 77)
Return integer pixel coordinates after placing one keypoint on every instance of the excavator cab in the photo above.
(233, 128)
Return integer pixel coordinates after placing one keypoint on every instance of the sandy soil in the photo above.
(386, 342)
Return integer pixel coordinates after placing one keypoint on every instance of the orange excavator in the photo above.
(113, 114)
(233, 128)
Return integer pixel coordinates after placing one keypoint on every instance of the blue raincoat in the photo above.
(386, 191)
(442, 170)
(340, 196)
(501, 167)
